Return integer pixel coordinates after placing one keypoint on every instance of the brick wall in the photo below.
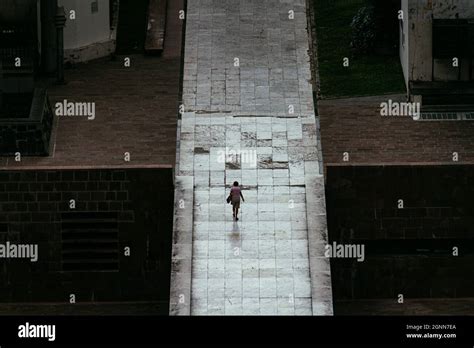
(35, 208)
(30, 135)
(409, 250)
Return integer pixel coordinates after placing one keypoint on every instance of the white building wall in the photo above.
(88, 36)
(404, 40)
(88, 28)
(420, 43)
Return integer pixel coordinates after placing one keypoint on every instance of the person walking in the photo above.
(234, 198)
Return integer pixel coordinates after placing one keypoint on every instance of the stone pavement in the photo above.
(249, 116)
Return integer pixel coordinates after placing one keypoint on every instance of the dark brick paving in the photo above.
(355, 126)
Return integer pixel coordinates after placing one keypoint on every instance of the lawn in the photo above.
(367, 74)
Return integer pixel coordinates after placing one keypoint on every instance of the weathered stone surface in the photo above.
(180, 291)
(253, 123)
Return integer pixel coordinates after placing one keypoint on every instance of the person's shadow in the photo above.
(235, 228)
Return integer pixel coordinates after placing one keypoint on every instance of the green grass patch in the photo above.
(367, 74)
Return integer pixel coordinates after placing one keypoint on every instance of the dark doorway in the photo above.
(132, 26)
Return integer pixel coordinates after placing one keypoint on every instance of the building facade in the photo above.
(437, 51)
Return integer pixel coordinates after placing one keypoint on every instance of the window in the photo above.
(95, 6)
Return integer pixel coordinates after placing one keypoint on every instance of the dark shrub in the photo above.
(363, 30)
(387, 25)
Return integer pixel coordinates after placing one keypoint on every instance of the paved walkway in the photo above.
(250, 117)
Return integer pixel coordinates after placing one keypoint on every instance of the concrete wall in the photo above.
(420, 15)
(419, 41)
